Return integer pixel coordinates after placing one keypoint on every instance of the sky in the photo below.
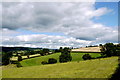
(54, 24)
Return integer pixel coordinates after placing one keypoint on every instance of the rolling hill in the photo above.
(96, 68)
(38, 60)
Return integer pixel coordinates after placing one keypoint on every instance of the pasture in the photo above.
(96, 68)
(38, 60)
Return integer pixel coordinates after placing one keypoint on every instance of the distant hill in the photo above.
(6, 49)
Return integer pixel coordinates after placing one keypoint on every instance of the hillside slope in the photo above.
(38, 60)
(97, 68)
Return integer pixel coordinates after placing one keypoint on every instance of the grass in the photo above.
(96, 68)
(38, 60)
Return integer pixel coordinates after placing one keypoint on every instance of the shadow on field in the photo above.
(116, 75)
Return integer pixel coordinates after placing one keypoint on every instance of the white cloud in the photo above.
(41, 40)
(72, 19)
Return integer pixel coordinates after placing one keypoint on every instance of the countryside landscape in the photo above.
(60, 40)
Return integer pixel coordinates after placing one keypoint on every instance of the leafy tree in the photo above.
(6, 57)
(41, 52)
(56, 50)
(118, 49)
(45, 51)
(108, 49)
(28, 53)
(65, 55)
(100, 45)
(60, 50)
(32, 52)
(86, 57)
(19, 58)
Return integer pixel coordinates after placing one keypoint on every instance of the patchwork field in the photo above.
(88, 49)
(96, 68)
(38, 60)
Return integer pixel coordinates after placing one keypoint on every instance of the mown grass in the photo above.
(38, 60)
(96, 68)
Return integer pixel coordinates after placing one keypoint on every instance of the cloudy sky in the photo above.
(55, 24)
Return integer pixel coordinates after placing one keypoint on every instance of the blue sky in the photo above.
(109, 19)
(27, 32)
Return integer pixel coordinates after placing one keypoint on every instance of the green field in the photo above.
(38, 60)
(96, 68)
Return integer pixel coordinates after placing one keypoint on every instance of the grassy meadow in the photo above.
(38, 60)
(96, 68)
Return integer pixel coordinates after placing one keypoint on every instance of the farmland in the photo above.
(98, 68)
(38, 60)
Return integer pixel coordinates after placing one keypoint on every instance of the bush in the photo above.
(18, 64)
(52, 61)
(87, 57)
(44, 62)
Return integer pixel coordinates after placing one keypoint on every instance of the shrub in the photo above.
(87, 57)
(52, 61)
(44, 62)
(18, 64)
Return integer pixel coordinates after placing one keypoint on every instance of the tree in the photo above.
(65, 55)
(45, 51)
(60, 50)
(6, 57)
(108, 49)
(28, 53)
(19, 58)
(86, 57)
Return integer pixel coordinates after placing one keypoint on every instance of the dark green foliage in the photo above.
(52, 61)
(109, 49)
(41, 53)
(28, 53)
(6, 57)
(45, 51)
(19, 58)
(100, 44)
(60, 49)
(118, 49)
(32, 52)
(44, 62)
(18, 64)
(56, 50)
(65, 55)
(86, 57)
